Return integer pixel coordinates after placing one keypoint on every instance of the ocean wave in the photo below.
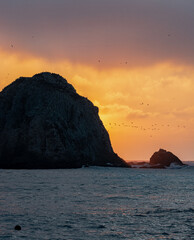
(170, 210)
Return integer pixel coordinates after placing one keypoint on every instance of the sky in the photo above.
(134, 59)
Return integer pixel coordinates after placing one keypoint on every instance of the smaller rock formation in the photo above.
(18, 227)
(163, 158)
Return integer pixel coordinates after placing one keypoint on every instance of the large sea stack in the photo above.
(44, 123)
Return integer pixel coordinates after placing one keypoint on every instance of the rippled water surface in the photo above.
(97, 204)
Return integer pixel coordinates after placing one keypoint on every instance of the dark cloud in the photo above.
(126, 32)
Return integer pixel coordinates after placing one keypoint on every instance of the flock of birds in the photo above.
(152, 128)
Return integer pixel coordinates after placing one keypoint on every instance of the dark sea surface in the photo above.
(97, 203)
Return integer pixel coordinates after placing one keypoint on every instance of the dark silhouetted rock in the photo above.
(44, 123)
(162, 159)
(18, 227)
(101, 226)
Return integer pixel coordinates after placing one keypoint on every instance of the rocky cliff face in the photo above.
(164, 158)
(44, 123)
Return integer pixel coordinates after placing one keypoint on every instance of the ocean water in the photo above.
(97, 203)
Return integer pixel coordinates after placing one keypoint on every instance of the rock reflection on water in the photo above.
(97, 203)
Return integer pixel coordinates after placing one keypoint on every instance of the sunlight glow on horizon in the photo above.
(143, 108)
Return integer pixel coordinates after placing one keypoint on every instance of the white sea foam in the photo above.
(175, 166)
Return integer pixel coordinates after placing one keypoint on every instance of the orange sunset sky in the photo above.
(134, 59)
